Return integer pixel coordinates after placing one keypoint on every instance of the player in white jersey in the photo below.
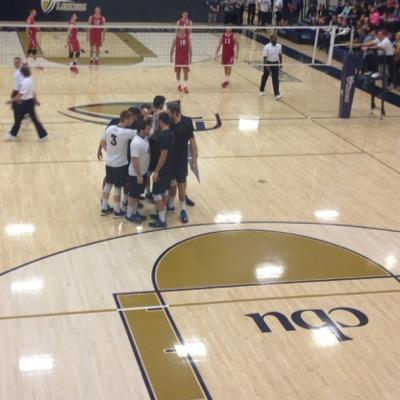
(115, 142)
(138, 170)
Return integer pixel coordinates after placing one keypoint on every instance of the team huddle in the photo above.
(147, 153)
(180, 52)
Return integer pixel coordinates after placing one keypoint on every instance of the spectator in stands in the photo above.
(385, 54)
(229, 12)
(251, 11)
(339, 8)
(343, 32)
(322, 14)
(264, 9)
(396, 65)
(213, 9)
(374, 17)
(239, 9)
(278, 12)
(346, 12)
(312, 10)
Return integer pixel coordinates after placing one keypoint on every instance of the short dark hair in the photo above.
(159, 101)
(164, 118)
(145, 105)
(174, 108)
(142, 125)
(134, 110)
(25, 71)
(124, 115)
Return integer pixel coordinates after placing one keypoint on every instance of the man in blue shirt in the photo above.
(213, 9)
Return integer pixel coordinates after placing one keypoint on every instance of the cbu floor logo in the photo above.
(299, 318)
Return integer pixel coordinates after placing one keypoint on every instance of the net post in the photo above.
(315, 45)
(332, 45)
(352, 33)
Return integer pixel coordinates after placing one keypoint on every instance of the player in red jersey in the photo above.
(183, 57)
(96, 36)
(184, 21)
(31, 33)
(72, 44)
(228, 42)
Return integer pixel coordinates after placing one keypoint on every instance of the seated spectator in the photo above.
(385, 54)
(374, 17)
(396, 66)
(339, 8)
(213, 9)
(229, 12)
(312, 10)
(346, 12)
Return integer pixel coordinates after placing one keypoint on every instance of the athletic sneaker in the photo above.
(157, 224)
(184, 217)
(262, 94)
(142, 198)
(125, 204)
(171, 209)
(119, 214)
(180, 88)
(185, 89)
(375, 75)
(368, 73)
(225, 84)
(278, 97)
(106, 211)
(91, 62)
(136, 219)
(10, 138)
(190, 202)
(43, 139)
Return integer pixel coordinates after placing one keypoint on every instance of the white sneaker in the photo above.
(375, 75)
(262, 94)
(368, 73)
(278, 97)
(43, 139)
(10, 138)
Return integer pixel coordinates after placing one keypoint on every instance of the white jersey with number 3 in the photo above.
(117, 140)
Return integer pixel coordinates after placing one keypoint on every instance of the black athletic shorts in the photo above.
(163, 184)
(180, 171)
(117, 175)
(136, 190)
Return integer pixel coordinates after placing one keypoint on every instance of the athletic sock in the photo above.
(129, 211)
(117, 207)
(124, 198)
(171, 201)
(183, 205)
(185, 84)
(161, 215)
(178, 82)
(148, 191)
(104, 204)
(227, 78)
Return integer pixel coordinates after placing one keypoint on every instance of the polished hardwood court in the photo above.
(102, 309)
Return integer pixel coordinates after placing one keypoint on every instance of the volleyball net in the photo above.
(143, 46)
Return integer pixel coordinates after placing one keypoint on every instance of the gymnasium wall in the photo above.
(113, 10)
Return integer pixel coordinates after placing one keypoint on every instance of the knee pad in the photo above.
(157, 197)
(107, 188)
(117, 191)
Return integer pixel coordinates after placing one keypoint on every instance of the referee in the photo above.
(17, 80)
(272, 54)
(24, 102)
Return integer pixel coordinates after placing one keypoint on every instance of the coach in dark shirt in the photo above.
(213, 9)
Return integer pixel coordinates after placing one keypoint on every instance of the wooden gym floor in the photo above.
(296, 215)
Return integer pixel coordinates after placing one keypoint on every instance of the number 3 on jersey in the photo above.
(114, 140)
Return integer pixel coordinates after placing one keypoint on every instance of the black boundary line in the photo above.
(28, 263)
(135, 350)
(357, 147)
(175, 328)
(167, 312)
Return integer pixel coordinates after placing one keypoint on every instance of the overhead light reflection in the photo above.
(36, 363)
(267, 271)
(324, 337)
(20, 229)
(194, 349)
(31, 285)
(249, 123)
(234, 217)
(327, 215)
(390, 261)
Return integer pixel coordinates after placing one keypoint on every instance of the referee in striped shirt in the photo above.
(272, 55)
